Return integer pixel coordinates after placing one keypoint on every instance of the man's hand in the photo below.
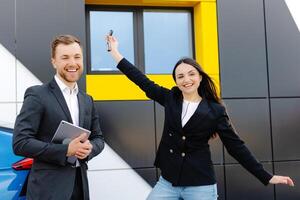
(85, 151)
(76, 144)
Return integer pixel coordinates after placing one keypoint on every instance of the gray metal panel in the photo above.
(128, 127)
(38, 23)
(242, 185)
(242, 48)
(288, 169)
(7, 24)
(250, 118)
(216, 149)
(219, 170)
(159, 122)
(283, 50)
(215, 144)
(148, 174)
(285, 128)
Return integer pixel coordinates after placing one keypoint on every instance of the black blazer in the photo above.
(51, 176)
(183, 154)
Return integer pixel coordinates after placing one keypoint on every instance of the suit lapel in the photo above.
(81, 104)
(199, 114)
(60, 98)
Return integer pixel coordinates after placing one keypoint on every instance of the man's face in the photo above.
(68, 62)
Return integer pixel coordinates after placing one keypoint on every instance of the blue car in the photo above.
(14, 169)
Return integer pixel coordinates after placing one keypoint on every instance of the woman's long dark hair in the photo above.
(207, 88)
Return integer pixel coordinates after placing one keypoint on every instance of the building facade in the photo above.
(251, 49)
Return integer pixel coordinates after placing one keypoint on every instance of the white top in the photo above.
(70, 98)
(188, 109)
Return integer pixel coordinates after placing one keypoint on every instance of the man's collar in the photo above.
(63, 87)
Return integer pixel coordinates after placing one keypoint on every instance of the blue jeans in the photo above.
(165, 191)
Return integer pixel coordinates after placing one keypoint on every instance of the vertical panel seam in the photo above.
(268, 85)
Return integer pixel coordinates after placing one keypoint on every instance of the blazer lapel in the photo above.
(200, 113)
(81, 104)
(177, 113)
(60, 98)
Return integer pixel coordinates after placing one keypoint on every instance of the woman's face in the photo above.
(187, 79)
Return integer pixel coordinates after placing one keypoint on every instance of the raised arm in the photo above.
(152, 90)
(237, 149)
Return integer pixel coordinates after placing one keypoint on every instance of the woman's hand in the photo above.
(281, 180)
(113, 42)
(114, 48)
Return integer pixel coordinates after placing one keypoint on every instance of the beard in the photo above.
(70, 77)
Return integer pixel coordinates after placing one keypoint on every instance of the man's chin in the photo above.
(72, 79)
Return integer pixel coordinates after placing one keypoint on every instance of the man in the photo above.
(52, 175)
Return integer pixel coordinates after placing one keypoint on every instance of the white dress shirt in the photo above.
(70, 96)
(188, 109)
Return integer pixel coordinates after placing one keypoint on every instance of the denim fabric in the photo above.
(164, 190)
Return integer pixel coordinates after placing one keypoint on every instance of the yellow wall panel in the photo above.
(206, 36)
(175, 3)
(118, 87)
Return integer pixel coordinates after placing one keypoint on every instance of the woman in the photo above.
(193, 113)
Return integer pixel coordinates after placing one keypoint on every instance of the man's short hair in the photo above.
(62, 39)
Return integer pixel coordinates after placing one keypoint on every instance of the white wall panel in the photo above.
(25, 79)
(8, 112)
(108, 159)
(8, 78)
(294, 7)
(117, 184)
(19, 106)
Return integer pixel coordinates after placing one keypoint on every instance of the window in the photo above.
(100, 24)
(152, 39)
(168, 37)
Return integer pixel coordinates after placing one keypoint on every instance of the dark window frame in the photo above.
(138, 32)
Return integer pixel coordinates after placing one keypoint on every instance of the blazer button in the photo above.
(171, 150)
(183, 137)
(170, 134)
(182, 154)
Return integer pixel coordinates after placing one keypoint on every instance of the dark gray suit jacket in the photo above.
(51, 176)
